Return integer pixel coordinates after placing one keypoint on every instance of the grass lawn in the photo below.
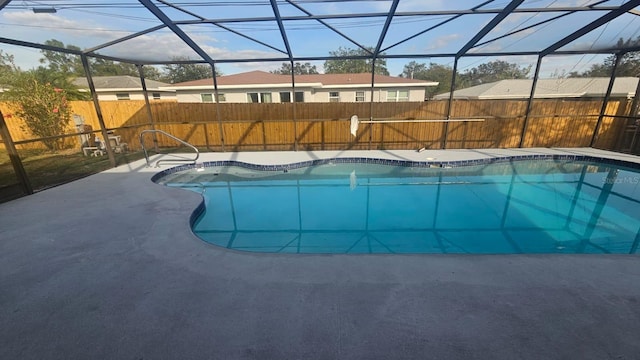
(47, 168)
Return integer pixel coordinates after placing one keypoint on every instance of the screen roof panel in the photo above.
(264, 29)
(624, 28)
(447, 38)
(532, 32)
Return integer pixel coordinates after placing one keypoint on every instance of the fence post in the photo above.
(21, 174)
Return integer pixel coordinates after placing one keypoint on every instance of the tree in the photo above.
(298, 69)
(62, 62)
(343, 65)
(58, 80)
(8, 69)
(177, 73)
(629, 63)
(71, 64)
(105, 67)
(42, 106)
(414, 70)
(12, 76)
(491, 72)
(433, 72)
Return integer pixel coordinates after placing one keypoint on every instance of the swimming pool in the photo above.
(498, 206)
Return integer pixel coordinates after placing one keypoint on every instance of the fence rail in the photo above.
(316, 126)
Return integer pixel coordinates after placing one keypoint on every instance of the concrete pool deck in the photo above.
(106, 267)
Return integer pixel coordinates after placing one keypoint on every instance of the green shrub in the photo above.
(43, 107)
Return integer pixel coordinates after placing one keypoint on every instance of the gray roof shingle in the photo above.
(547, 88)
(118, 82)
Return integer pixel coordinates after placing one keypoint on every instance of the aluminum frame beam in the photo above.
(39, 46)
(283, 32)
(220, 26)
(605, 101)
(96, 105)
(435, 26)
(328, 26)
(533, 25)
(4, 3)
(400, 14)
(385, 28)
(176, 30)
(123, 39)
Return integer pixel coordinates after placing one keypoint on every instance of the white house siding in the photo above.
(310, 95)
(111, 96)
(236, 95)
(379, 94)
(345, 95)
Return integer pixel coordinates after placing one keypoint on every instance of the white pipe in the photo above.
(417, 120)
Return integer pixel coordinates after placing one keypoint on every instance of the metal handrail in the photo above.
(180, 159)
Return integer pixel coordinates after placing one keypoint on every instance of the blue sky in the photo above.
(90, 23)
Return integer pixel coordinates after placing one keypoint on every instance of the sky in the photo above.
(90, 23)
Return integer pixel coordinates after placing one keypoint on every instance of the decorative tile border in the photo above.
(406, 163)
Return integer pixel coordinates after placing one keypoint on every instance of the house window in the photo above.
(397, 95)
(259, 97)
(285, 97)
(156, 96)
(122, 96)
(334, 96)
(206, 98)
(221, 97)
(359, 96)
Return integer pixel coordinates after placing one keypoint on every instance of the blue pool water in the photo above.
(539, 206)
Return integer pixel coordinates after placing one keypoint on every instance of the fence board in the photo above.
(552, 122)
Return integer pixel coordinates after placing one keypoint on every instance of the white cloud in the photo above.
(160, 45)
(442, 41)
(53, 26)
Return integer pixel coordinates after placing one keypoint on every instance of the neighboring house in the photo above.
(624, 87)
(126, 88)
(264, 87)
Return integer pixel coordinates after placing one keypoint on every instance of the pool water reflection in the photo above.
(536, 206)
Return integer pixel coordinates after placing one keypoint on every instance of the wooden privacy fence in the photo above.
(326, 126)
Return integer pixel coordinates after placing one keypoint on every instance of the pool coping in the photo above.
(394, 162)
